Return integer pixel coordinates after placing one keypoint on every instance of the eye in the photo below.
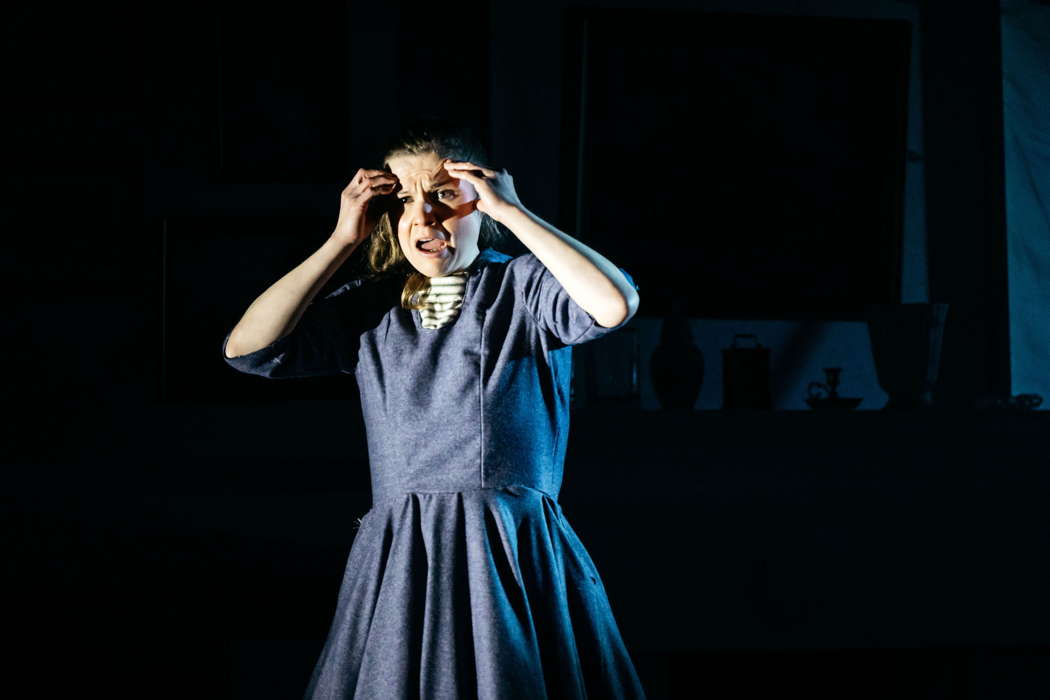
(451, 193)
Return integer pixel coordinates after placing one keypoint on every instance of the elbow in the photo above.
(622, 312)
(229, 348)
(630, 305)
(633, 299)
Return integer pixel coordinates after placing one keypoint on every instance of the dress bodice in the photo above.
(480, 402)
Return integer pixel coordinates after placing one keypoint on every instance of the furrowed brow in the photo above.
(438, 185)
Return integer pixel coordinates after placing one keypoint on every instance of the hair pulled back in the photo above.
(423, 135)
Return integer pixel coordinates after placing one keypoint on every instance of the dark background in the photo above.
(173, 528)
(749, 146)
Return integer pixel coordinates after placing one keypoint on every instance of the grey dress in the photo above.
(465, 578)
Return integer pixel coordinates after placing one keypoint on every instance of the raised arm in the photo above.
(591, 280)
(275, 313)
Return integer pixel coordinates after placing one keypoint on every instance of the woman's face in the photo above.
(437, 222)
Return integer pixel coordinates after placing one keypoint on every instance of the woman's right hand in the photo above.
(355, 221)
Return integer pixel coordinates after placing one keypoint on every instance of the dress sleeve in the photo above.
(555, 312)
(325, 341)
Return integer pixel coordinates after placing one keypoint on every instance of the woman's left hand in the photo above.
(495, 188)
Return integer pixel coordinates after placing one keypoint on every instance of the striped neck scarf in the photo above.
(443, 299)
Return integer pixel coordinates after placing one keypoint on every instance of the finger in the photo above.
(362, 179)
(379, 184)
(467, 175)
(465, 166)
(460, 165)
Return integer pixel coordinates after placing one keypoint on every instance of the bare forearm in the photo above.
(588, 277)
(275, 312)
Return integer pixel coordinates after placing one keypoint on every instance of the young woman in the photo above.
(465, 578)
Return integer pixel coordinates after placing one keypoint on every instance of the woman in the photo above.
(465, 578)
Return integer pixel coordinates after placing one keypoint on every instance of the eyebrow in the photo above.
(436, 185)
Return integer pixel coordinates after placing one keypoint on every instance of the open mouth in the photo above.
(431, 246)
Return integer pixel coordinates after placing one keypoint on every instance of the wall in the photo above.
(525, 139)
(1026, 122)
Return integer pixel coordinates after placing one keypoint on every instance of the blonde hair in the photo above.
(426, 135)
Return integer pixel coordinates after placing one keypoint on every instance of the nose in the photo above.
(422, 213)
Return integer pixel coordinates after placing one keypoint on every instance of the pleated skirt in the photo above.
(484, 593)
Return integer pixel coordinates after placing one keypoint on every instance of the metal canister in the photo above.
(746, 376)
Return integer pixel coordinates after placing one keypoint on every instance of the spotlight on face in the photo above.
(435, 215)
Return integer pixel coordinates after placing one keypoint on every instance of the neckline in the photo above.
(486, 256)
